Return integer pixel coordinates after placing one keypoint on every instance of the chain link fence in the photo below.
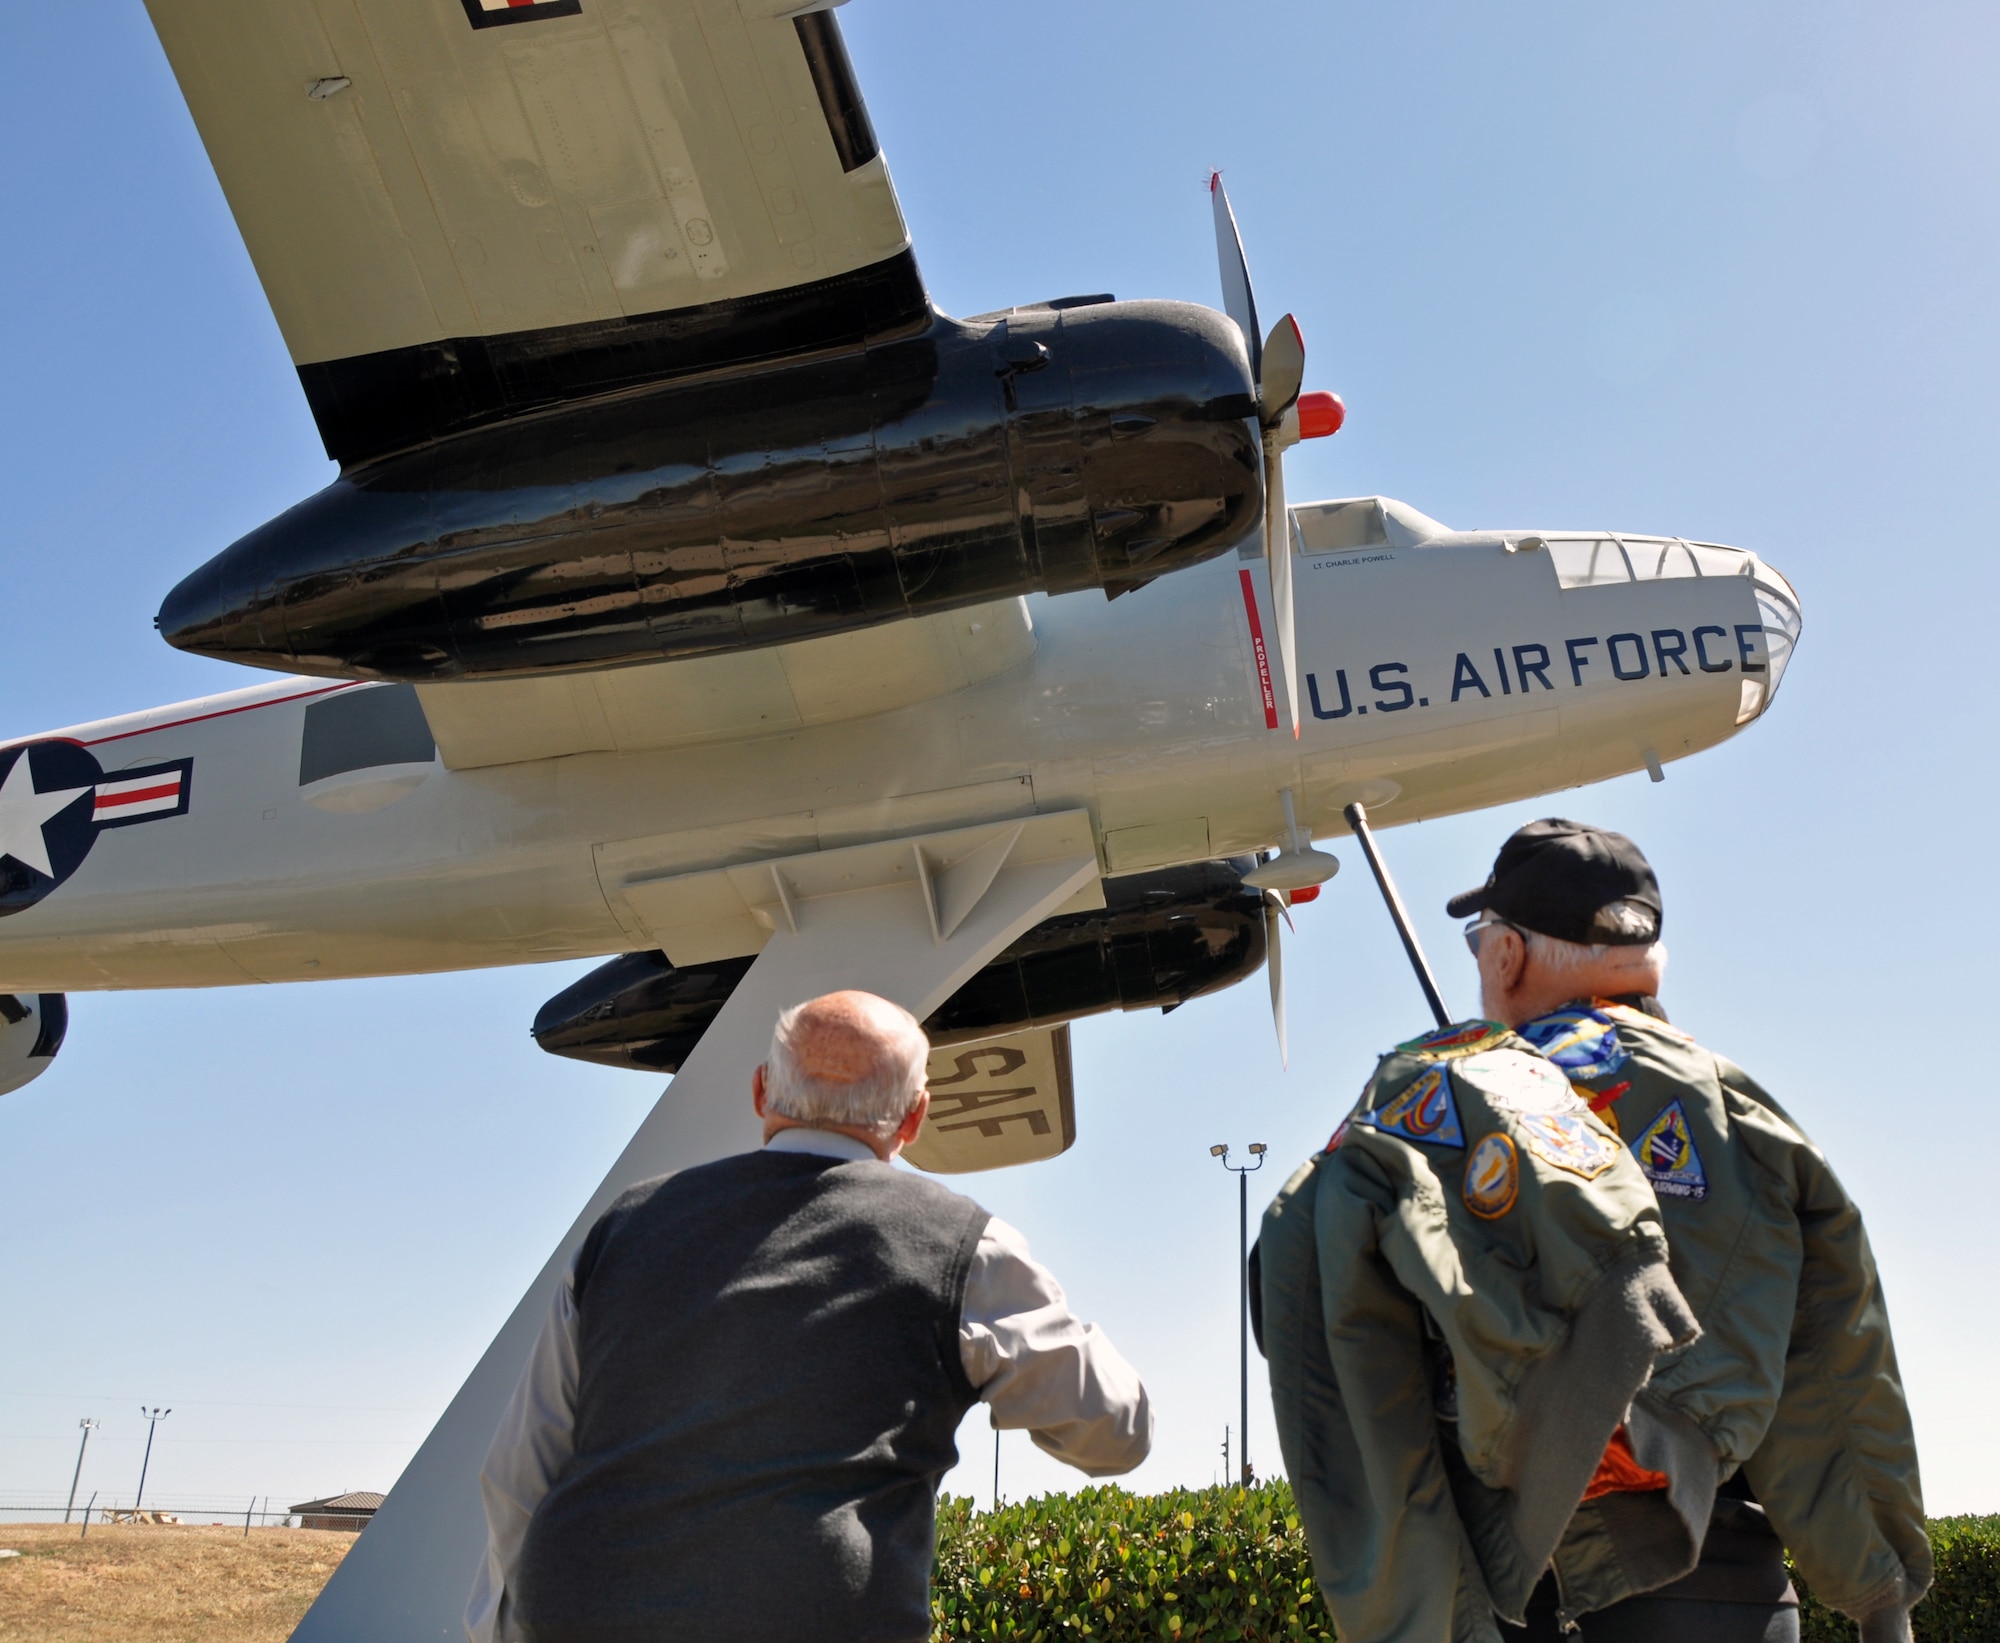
(238, 1511)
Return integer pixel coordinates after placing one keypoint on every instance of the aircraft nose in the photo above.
(1778, 606)
(1596, 559)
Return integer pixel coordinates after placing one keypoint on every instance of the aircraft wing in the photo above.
(464, 209)
(997, 1102)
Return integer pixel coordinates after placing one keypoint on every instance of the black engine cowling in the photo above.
(1161, 939)
(32, 1026)
(1048, 449)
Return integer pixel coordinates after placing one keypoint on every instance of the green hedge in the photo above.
(1963, 1605)
(1232, 1563)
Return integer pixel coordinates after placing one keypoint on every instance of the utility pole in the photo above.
(1243, 1172)
(153, 1419)
(88, 1428)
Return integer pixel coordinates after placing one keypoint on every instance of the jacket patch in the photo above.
(1583, 1042)
(1423, 1112)
(1515, 1082)
(1492, 1177)
(1667, 1153)
(1463, 1038)
(1569, 1141)
(1339, 1135)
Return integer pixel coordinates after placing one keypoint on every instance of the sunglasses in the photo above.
(1476, 931)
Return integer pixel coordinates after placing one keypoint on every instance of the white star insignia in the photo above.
(23, 812)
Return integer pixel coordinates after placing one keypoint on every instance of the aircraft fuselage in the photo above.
(200, 846)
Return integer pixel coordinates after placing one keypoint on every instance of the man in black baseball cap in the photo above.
(1590, 896)
(1567, 937)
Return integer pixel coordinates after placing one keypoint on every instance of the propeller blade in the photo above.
(1274, 962)
(1283, 373)
(1278, 552)
(1237, 300)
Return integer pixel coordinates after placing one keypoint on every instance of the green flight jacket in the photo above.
(1461, 1297)
(1795, 1378)
(1416, 1531)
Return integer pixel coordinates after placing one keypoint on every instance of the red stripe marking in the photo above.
(166, 790)
(1257, 645)
(223, 713)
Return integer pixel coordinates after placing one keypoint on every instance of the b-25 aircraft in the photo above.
(694, 592)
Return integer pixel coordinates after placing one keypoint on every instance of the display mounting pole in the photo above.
(1357, 818)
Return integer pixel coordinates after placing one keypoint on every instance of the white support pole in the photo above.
(408, 1577)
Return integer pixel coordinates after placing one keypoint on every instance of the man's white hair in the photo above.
(878, 1103)
(1561, 957)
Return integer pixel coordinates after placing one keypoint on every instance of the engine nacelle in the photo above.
(31, 1031)
(1048, 449)
(1160, 939)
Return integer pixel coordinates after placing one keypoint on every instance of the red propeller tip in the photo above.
(1320, 415)
(1309, 893)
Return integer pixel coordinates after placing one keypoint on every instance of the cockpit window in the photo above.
(1596, 559)
(1363, 522)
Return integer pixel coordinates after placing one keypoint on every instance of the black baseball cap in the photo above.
(1561, 878)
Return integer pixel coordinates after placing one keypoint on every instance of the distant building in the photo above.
(350, 1511)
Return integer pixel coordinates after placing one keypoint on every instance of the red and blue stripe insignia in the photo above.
(145, 793)
(485, 13)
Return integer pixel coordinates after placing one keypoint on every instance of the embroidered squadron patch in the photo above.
(1462, 1038)
(1513, 1081)
(1423, 1112)
(1583, 1042)
(1569, 1141)
(1666, 1152)
(1492, 1177)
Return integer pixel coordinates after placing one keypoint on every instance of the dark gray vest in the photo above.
(767, 1398)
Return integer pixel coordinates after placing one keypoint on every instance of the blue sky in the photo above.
(1723, 271)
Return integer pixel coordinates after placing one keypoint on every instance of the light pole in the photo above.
(153, 1419)
(1243, 1172)
(88, 1428)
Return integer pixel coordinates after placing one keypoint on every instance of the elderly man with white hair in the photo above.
(1501, 1420)
(736, 1418)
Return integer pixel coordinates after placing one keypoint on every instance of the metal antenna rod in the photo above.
(1357, 818)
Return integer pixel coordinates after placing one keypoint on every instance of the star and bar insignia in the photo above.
(55, 798)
